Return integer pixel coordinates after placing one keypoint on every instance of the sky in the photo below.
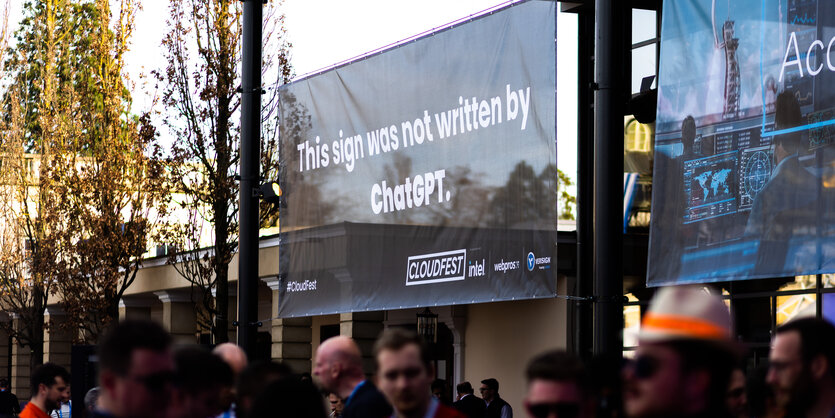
(326, 32)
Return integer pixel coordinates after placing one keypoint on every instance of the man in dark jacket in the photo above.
(338, 369)
(468, 403)
(496, 406)
(9, 405)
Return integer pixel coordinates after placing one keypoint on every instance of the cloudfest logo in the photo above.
(533, 262)
(435, 268)
(304, 286)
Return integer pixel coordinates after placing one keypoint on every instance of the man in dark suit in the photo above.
(338, 369)
(787, 206)
(467, 402)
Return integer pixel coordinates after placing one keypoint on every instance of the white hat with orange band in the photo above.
(686, 313)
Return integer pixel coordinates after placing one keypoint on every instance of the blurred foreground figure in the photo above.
(49, 384)
(405, 375)
(136, 370)
(802, 368)
(557, 387)
(338, 369)
(468, 403)
(289, 397)
(236, 358)
(252, 381)
(684, 358)
(201, 380)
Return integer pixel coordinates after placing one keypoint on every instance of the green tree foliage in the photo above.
(91, 200)
(202, 104)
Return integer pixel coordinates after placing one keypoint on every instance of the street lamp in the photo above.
(427, 325)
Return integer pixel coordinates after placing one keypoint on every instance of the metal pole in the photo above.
(583, 325)
(608, 177)
(250, 178)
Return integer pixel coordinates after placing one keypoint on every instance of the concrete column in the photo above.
(136, 307)
(20, 366)
(291, 337)
(364, 328)
(178, 316)
(57, 340)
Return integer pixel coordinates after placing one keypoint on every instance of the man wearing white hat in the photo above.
(684, 358)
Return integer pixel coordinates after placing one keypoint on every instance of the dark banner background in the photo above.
(728, 203)
(443, 145)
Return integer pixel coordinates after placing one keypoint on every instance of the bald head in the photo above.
(341, 349)
(233, 355)
(338, 366)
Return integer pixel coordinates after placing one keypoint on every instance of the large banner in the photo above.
(744, 159)
(426, 174)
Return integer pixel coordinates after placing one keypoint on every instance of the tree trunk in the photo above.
(36, 329)
(220, 329)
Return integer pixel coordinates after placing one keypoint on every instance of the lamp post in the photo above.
(427, 326)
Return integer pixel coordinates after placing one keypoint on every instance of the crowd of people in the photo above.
(687, 364)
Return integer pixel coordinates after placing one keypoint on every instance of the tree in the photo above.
(568, 202)
(87, 213)
(202, 103)
(111, 178)
(35, 117)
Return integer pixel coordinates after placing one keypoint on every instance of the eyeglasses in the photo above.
(645, 366)
(155, 381)
(736, 393)
(560, 409)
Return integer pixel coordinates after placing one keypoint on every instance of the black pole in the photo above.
(584, 287)
(608, 177)
(250, 161)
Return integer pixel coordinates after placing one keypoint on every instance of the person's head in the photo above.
(253, 379)
(489, 389)
(91, 398)
(557, 386)
(787, 115)
(464, 388)
(737, 398)
(289, 397)
(233, 355)
(201, 379)
(684, 356)
(404, 370)
(338, 365)
(135, 369)
(49, 385)
(439, 388)
(336, 403)
(802, 362)
(4, 385)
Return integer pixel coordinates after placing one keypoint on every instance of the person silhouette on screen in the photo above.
(787, 205)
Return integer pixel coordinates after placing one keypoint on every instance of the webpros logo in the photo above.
(435, 268)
